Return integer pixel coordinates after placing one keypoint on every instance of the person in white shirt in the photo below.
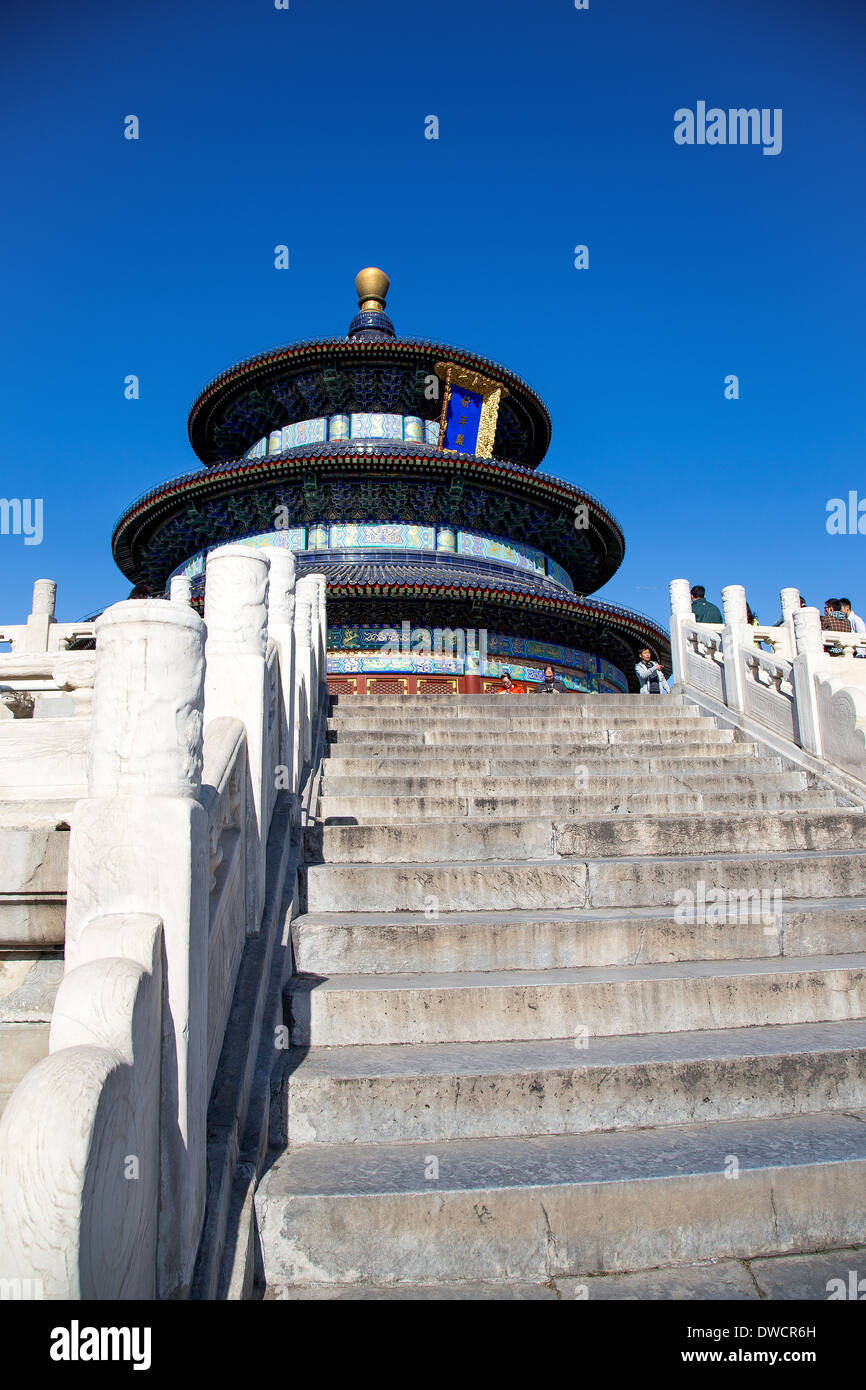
(857, 623)
(650, 675)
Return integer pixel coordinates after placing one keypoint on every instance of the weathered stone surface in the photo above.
(366, 1094)
(817, 1277)
(524, 1004)
(521, 1068)
(33, 870)
(726, 1281)
(42, 760)
(530, 1209)
(782, 1277)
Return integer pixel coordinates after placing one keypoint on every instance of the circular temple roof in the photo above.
(366, 482)
(334, 376)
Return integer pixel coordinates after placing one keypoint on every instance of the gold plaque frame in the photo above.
(492, 394)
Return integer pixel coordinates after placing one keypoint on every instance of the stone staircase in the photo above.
(516, 1057)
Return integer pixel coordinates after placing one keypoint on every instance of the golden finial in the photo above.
(372, 287)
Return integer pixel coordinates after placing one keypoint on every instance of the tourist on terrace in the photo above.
(704, 611)
(651, 676)
(857, 623)
(551, 685)
(833, 620)
(508, 686)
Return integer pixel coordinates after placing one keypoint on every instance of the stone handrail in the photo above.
(79, 1145)
(223, 796)
(802, 692)
(25, 677)
(195, 726)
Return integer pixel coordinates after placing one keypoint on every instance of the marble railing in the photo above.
(800, 691)
(34, 685)
(41, 632)
(198, 728)
(224, 797)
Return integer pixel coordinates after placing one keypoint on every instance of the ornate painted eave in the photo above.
(169, 522)
(248, 399)
(511, 595)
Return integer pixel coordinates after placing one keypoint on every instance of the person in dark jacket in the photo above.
(704, 611)
(551, 685)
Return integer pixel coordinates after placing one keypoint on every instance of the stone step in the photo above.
(515, 1005)
(408, 942)
(480, 838)
(559, 740)
(570, 883)
(563, 1204)
(780, 1278)
(366, 810)
(575, 698)
(547, 719)
(761, 775)
(386, 1094)
(549, 762)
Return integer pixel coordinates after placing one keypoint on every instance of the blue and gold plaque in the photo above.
(470, 409)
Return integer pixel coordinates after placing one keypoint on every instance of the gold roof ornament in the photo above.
(371, 285)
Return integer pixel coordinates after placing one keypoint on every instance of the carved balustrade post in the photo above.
(790, 601)
(306, 693)
(808, 663)
(139, 845)
(236, 684)
(736, 636)
(34, 637)
(281, 625)
(180, 589)
(681, 611)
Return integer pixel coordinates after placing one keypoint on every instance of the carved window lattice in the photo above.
(379, 685)
(427, 686)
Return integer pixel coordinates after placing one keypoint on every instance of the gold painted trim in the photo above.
(492, 394)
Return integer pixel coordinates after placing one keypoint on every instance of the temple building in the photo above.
(407, 472)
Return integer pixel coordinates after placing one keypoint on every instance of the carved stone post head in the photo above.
(236, 600)
(790, 600)
(807, 631)
(306, 598)
(281, 590)
(180, 589)
(146, 734)
(681, 598)
(44, 596)
(734, 605)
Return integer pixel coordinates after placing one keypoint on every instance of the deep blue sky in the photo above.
(306, 127)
